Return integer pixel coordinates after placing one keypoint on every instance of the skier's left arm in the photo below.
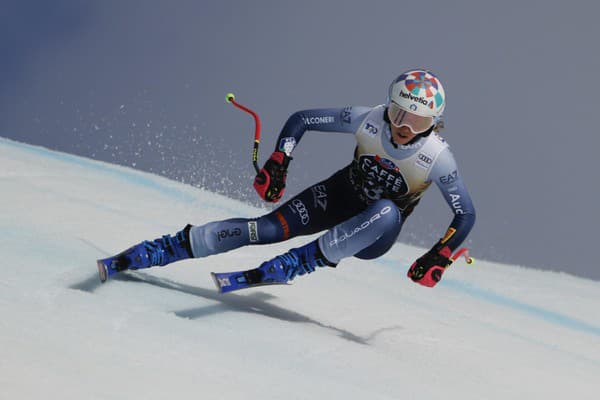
(448, 179)
(428, 269)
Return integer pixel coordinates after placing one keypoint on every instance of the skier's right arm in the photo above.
(270, 180)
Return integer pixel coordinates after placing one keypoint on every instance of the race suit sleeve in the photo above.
(344, 120)
(448, 179)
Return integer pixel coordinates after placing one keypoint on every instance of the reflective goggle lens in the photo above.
(416, 123)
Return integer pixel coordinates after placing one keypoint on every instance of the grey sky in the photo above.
(142, 83)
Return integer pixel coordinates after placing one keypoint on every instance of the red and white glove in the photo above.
(270, 180)
(428, 269)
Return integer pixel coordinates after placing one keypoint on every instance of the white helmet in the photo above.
(417, 92)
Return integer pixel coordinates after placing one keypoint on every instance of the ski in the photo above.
(102, 271)
(261, 276)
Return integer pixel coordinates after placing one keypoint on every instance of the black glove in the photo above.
(270, 180)
(428, 269)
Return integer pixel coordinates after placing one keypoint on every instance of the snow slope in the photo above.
(361, 331)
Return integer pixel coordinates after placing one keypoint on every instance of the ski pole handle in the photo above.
(230, 98)
(463, 252)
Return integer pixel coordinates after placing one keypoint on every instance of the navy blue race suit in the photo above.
(362, 206)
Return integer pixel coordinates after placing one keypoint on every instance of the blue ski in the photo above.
(261, 276)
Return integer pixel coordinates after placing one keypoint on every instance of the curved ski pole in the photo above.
(230, 98)
(464, 252)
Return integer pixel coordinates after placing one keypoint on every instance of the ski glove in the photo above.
(428, 269)
(270, 180)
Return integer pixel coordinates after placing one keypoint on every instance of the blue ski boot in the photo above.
(277, 271)
(161, 251)
(298, 261)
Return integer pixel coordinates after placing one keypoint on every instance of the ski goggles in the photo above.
(400, 117)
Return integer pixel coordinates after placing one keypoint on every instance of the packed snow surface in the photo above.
(360, 331)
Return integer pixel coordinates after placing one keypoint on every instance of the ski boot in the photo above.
(285, 267)
(161, 251)
(277, 271)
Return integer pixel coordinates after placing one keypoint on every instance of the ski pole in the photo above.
(230, 98)
(462, 252)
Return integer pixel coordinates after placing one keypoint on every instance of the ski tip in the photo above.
(217, 283)
(102, 271)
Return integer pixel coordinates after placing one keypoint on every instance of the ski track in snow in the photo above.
(362, 330)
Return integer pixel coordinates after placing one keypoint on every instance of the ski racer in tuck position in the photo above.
(362, 207)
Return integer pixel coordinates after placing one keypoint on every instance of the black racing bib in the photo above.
(378, 177)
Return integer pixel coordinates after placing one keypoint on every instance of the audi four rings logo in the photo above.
(425, 159)
(302, 211)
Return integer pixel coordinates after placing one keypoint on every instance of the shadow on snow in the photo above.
(254, 303)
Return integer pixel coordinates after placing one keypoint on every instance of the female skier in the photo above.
(362, 207)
